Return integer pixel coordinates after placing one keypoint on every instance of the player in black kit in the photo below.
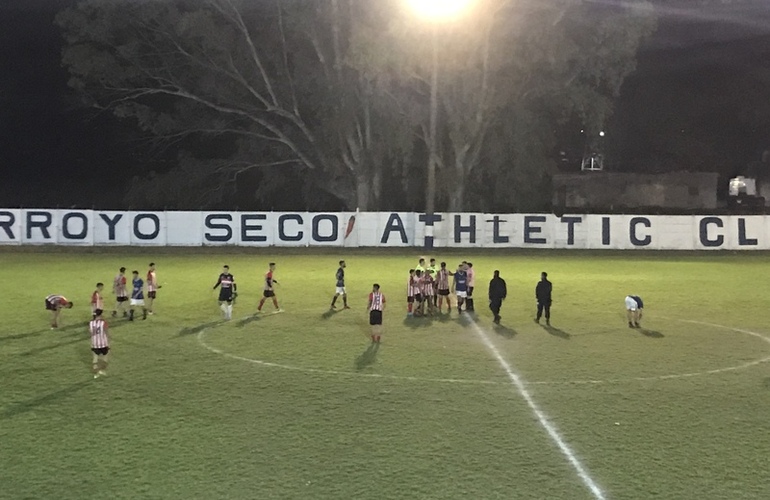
(227, 292)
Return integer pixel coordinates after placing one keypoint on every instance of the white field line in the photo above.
(542, 418)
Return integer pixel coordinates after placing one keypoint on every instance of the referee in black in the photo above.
(497, 292)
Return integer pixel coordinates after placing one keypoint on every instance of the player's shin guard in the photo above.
(229, 312)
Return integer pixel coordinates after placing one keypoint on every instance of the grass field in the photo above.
(295, 405)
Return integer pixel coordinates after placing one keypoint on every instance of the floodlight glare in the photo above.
(438, 10)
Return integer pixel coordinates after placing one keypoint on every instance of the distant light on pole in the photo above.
(601, 134)
(439, 10)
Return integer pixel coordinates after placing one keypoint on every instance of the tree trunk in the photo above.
(376, 189)
(363, 193)
(457, 195)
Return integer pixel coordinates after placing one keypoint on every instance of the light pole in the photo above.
(435, 11)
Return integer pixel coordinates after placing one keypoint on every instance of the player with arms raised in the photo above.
(227, 292)
(100, 343)
(268, 291)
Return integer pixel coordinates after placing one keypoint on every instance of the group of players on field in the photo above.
(428, 287)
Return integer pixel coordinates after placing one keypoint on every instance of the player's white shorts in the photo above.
(631, 304)
(340, 290)
(137, 302)
(461, 294)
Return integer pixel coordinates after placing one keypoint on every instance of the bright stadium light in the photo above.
(439, 10)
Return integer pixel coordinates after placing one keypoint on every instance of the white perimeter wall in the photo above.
(382, 229)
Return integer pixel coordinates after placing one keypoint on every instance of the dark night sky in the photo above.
(54, 154)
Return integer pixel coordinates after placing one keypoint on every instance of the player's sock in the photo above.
(230, 311)
(144, 313)
(334, 301)
(345, 301)
(409, 307)
(131, 315)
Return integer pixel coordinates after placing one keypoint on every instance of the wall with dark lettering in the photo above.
(383, 229)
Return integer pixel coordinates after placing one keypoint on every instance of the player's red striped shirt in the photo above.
(442, 279)
(378, 301)
(97, 301)
(57, 300)
(471, 277)
(119, 286)
(269, 280)
(152, 281)
(99, 337)
(427, 288)
(412, 286)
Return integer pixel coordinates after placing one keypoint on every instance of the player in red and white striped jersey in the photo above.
(428, 291)
(120, 292)
(152, 287)
(375, 307)
(442, 282)
(97, 300)
(411, 291)
(268, 291)
(55, 303)
(100, 343)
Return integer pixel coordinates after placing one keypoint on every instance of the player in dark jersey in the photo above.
(227, 292)
(460, 285)
(340, 290)
(137, 296)
(268, 291)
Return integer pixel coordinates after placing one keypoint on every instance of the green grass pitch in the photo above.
(294, 406)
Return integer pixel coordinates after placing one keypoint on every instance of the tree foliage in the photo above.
(332, 95)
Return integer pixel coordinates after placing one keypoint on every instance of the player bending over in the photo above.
(55, 303)
(227, 292)
(100, 344)
(634, 307)
(376, 306)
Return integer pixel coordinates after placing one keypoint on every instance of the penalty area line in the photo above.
(520, 386)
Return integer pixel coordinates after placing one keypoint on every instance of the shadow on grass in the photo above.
(328, 314)
(75, 327)
(651, 333)
(556, 332)
(368, 357)
(193, 330)
(46, 399)
(767, 382)
(50, 347)
(505, 331)
(415, 322)
(247, 321)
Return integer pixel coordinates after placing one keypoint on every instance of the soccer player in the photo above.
(543, 295)
(227, 293)
(100, 343)
(420, 265)
(429, 292)
(119, 290)
(433, 270)
(55, 303)
(411, 291)
(460, 286)
(442, 286)
(471, 285)
(137, 296)
(97, 300)
(497, 293)
(375, 307)
(419, 285)
(268, 290)
(152, 287)
(634, 306)
(340, 290)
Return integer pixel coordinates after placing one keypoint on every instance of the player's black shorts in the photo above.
(100, 351)
(375, 317)
(410, 299)
(225, 295)
(49, 306)
(151, 295)
(122, 299)
(418, 297)
(444, 292)
(268, 293)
